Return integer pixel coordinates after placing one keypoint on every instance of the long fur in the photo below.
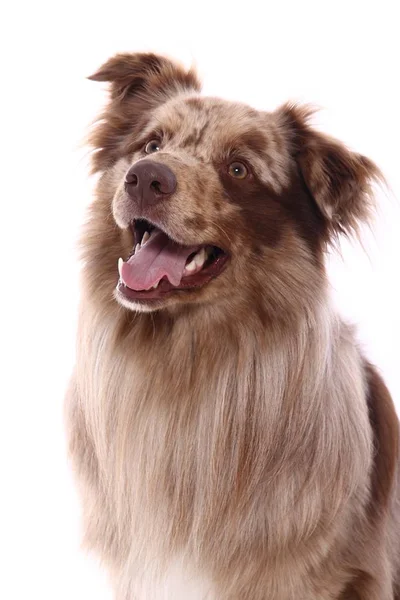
(238, 438)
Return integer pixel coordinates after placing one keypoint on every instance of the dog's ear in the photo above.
(145, 74)
(340, 181)
(138, 83)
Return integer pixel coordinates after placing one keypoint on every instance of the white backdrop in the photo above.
(342, 56)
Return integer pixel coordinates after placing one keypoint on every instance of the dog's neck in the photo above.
(173, 361)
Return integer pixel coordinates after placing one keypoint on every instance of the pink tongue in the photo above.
(159, 257)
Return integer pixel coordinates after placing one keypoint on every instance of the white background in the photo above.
(342, 56)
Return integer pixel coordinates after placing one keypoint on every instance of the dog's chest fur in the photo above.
(192, 460)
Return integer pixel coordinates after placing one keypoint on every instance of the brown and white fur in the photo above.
(231, 441)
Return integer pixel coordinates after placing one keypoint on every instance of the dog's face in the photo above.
(208, 201)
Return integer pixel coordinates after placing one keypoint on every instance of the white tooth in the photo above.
(137, 248)
(200, 258)
(120, 263)
(191, 266)
(145, 237)
(155, 286)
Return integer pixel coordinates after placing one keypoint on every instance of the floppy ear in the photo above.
(340, 181)
(138, 83)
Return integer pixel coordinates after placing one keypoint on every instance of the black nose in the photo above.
(149, 182)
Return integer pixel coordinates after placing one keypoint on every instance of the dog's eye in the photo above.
(238, 170)
(152, 146)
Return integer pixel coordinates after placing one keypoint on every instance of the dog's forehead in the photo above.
(211, 129)
(210, 124)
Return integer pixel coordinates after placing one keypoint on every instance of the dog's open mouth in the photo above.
(159, 265)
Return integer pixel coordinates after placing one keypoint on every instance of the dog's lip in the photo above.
(165, 289)
(188, 282)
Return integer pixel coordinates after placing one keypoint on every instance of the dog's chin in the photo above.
(161, 271)
(142, 306)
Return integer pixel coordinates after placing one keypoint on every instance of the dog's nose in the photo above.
(149, 182)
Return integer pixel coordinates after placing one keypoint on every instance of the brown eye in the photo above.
(152, 146)
(238, 170)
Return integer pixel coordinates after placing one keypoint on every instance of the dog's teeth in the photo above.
(191, 266)
(155, 286)
(200, 258)
(197, 261)
(145, 237)
(137, 248)
(120, 263)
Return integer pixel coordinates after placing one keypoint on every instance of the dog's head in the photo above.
(209, 201)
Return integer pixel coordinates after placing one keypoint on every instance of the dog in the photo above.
(229, 438)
